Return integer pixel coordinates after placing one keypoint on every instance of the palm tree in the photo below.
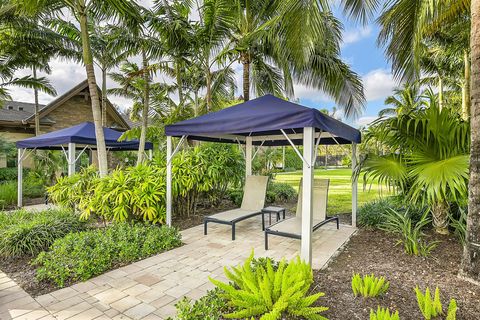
(426, 158)
(403, 101)
(83, 10)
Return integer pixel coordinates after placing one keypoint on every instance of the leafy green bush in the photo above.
(236, 196)
(10, 174)
(280, 192)
(209, 307)
(383, 314)
(372, 214)
(459, 224)
(369, 285)
(268, 293)
(8, 193)
(432, 308)
(27, 233)
(411, 235)
(83, 255)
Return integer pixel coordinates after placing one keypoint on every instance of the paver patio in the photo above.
(149, 289)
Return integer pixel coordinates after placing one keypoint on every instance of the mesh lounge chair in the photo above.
(252, 204)
(292, 228)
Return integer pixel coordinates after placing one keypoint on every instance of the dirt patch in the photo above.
(375, 252)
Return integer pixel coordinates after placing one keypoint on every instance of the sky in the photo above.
(358, 49)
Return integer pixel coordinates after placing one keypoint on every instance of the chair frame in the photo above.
(232, 223)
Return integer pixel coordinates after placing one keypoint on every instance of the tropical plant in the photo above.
(208, 307)
(459, 224)
(425, 157)
(403, 101)
(411, 235)
(383, 314)
(80, 256)
(369, 285)
(83, 10)
(270, 293)
(432, 307)
(23, 233)
(373, 214)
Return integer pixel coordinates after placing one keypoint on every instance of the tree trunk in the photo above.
(440, 92)
(104, 96)
(92, 86)
(208, 96)
(146, 102)
(471, 255)
(440, 217)
(196, 102)
(179, 83)
(246, 77)
(35, 94)
(466, 87)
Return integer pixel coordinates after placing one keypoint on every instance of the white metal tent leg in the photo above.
(354, 186)
(71, 159)
(169, 181)
(20, 177)
(150, 154)
(307, 218)
(248, 156)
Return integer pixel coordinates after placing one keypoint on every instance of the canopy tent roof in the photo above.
(264, 118)
(82, 134)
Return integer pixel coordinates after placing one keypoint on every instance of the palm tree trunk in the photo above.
(179, 82)
(471, 255)
(209, 90)
(92, 86)
(246, 76)
(440, 92)
(104, 96)
(440, 217)
(196, 102)
(146, 102)
(35, 94)
(466, 87)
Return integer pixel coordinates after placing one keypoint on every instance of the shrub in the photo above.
(83, 255)
(8, 193)
(280, 192)
(369, 285)
(432, 308)
(268, 293)
(459, 224)
(411, 235)
(11, 174)
(236, 196)
(372, 214)
(383, 314)
(209, 307)
(26, 233)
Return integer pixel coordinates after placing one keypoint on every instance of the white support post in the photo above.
(169, 181)
(20, 177)
(307, 212)
(150, 154)
(71, 159)
(248, 156)
(354, 186)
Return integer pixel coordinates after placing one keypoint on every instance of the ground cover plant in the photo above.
(27, 233)
(268, 293)
(383, 314)
(339, 193)
(432, 307)
(83, 255)
(369, 286)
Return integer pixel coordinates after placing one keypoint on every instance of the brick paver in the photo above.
(149, 289)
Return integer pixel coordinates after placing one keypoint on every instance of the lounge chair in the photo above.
(292, 228)
(252, 204)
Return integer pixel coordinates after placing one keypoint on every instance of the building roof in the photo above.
(21, 113)
(266, 119)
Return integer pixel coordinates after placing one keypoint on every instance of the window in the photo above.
(10, 108)
(20, 108)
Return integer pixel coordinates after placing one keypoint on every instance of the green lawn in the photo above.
(340, 191)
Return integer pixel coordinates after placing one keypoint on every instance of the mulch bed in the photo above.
(375, 252)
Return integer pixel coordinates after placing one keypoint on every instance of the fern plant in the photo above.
(383, 314)
(369, 285)
(270, 293)
(432, 307)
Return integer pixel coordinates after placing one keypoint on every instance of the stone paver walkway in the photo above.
(149, 289)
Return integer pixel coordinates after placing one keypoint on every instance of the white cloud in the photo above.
(305, 92)
(365, 121)
(378, 84)
(354, 35)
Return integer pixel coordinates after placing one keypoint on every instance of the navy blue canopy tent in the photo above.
(82, 134)
(79, 137)
(270, 121)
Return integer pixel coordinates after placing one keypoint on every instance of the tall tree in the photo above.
(83, 10)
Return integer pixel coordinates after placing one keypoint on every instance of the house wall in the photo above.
(14, 137)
